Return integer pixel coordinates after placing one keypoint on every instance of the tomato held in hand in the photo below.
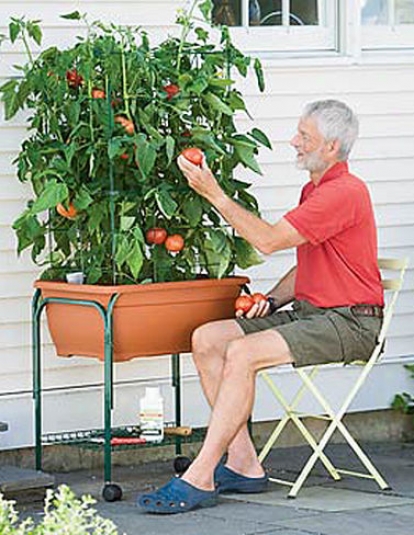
(174, 243)
(68, 213)
(244, 303)
(156, 235)
(257, 297)
(193, 155)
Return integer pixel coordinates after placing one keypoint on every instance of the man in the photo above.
(337, 303)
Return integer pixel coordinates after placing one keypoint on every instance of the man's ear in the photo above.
(334, 147)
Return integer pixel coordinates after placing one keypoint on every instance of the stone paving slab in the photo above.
(326, 499)
(14, 479)
(129, 519)
(368, 522)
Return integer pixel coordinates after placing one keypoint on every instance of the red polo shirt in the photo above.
(338, 265)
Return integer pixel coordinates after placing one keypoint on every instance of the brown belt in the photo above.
(368, 310)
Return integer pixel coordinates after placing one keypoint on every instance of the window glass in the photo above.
(387, 12)
(267, 12)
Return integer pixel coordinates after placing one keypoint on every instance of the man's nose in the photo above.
(295, 141)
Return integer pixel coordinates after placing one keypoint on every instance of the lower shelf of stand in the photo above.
(95, 438)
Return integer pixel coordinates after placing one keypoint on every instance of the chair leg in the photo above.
(290, 415)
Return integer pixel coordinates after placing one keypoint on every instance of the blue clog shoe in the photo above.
(177, 496)
(227, 480)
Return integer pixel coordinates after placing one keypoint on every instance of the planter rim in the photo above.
(136, 288)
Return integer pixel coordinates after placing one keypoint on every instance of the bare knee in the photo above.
(210, 341)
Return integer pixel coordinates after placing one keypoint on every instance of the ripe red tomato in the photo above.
(257, 297)
(174, 243)
(124, 156)
(73, 78)
(126, 123)
(98, 93)
(68, 213)
(156, 235)
(193, 155)
(244, 303)
(171, 90)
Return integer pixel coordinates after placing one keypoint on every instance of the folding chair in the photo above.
(307, 375)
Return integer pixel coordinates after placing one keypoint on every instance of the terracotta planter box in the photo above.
(148, 319)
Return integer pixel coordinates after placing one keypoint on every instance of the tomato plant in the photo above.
(109, 115)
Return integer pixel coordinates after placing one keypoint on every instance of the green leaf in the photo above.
(246, 255)
(35, 32)
(145, 155)
(122, 251)
(53, 193)
(138, 234)
(135, 259)
(247, 158)
(165, 202)
(126, 222)
(14, 31)
(259, 74)
(193, 210)
(82, 199)
(170, 142)
(216, 103)
(261, 137)
(10, 98)
(236, 101)
(74, 15)
(206, 9)
(115, 148)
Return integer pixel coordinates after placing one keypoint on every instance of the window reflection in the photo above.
(378, 12)
(266, 12)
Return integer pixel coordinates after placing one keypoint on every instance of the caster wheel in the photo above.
(112, 492)
(181, 463)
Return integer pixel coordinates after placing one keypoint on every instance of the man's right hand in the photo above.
(258, 310)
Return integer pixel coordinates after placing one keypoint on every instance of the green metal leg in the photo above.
(176, 382)
(38, 304)
(37, 384)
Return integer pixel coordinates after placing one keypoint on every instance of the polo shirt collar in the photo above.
(337, 170)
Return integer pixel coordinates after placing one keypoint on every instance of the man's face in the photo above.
(311, 147)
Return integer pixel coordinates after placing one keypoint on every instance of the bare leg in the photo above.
(210, 343)
(244, 357)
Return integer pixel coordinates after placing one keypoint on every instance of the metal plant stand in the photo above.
(111, 491)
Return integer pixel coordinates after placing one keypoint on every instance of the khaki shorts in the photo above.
(320, 335)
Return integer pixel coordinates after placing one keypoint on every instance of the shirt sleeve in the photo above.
(326, 212)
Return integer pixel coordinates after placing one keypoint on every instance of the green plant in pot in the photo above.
(107, 119)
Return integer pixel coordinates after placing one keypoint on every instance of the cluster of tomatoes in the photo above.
(158, 236)
(245, 302)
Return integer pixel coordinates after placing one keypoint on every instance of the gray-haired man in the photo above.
(335, 289)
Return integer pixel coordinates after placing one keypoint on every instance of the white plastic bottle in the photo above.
(151, 415)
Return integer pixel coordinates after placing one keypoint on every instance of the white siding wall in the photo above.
(383, 96)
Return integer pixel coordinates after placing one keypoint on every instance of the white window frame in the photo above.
(340, 34)
(286, 38)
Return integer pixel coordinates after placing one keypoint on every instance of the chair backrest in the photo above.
(392, 276)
